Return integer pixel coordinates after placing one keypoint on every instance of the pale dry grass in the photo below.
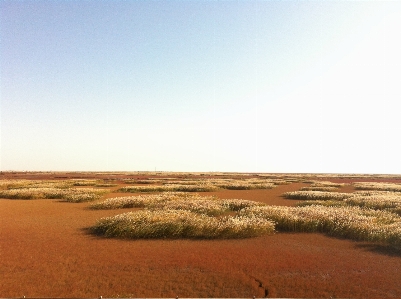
(316, 195)
(199, 185)
(170, 188)
(23, 184)
(325, 189)
(326, 184)
(378, 186)
(180, 224)
(69, 194)
(209, 205)
(348, 222)
(377, 200)
(141, 201)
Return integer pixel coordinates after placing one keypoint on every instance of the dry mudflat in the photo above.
(45, 251)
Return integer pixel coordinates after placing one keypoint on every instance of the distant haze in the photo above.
(245, 86)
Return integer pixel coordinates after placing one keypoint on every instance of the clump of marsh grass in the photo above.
(170, 188)
(377, 200)
(236, 205)
(326, 203)
(326, 184)
(84, 194)
(180, 224)
(205, 185)
(348, 222)
(364, 215)
(23, 184)
(316, 195)
(62, 184)
(389, 201)
(378, 186)
(143, 181)
(199, 206)
(83, 182)
(105, 185)
(32, 193)
(141, 201)
(244, 185)
(325, 189)
(209, 205)
(70, 194)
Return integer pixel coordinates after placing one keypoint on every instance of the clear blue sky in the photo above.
(247, 86)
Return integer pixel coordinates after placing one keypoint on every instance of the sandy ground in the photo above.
(45, 251)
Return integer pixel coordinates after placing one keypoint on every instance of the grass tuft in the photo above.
(316, 195)
(348, 222)
(69, 194)
(180, 224)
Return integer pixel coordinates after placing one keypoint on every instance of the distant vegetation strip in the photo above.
(170, 188)
(325, 189)
(208, 205)
(316, 195)
(18, 184)
(368, 195)
(199, 185)
(379, 186)
(315, 183)
(376, 200)
(67, 194)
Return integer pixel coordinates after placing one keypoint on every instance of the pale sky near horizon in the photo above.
(242, 86)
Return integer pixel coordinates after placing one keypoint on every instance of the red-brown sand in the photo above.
(45, 251)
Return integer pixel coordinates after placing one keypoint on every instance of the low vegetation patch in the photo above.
(84, 194)
(61, 184)
(326, 203)
(377, 186)
(200, 185)
(69, 194)
(348, 222)
(325, 189)
(141, 201)
(23, 184)
(238, 185)
(326, 184)
(180, 224)
(316, 195)
(377, 200)
(209, 205)
(170, 188)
